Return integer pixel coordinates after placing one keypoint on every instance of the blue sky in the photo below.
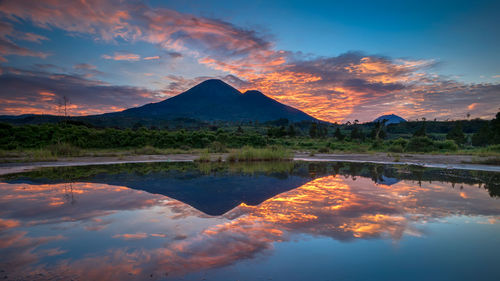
(355, 58)
(462, 35)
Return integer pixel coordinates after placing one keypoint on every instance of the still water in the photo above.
(261, 221)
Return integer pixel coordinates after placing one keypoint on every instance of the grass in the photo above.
(247, 154)
(204, 157)
(55, 152)
(254, 167)
(281, 150)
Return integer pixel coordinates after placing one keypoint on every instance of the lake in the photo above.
(258, 221)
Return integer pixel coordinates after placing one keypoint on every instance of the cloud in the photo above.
(122, 56)
(353, 85)
(32, 37)
(85, 66)
(9, 47)
(152, 58)
(131, 236)
(472, 106)
(38, 92)
(87, 70)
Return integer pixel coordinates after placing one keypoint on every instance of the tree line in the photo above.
(378, 135)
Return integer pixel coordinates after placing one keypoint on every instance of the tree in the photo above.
(291, 130)
(357, 134)
(420, 144)
(378, 132)
(338, 135)
(422, 132)
(483, 137)
(313, 130)
(322, 131)
(495, 128)
(239, 131)
(63, 104)
(456, 134)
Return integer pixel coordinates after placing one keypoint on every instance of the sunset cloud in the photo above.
(152, 58)
(85, 66)
(122, 56)
(348, 86)
(40, 93)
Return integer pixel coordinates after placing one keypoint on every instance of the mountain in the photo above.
(211, 100)
(215, 100)
(391, 119)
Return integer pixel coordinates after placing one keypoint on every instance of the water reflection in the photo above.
(161, 221)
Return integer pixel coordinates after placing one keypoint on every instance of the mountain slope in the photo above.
(215, 100)
(391, 119)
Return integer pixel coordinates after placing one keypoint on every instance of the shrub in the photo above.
(420, 144)
(259, 154)
(396, 148)
(217, 147)
(446, 145)
(324, 150)
(400, 141)
(204, 157)
(146, 150)
(64, 149)
(377, 144)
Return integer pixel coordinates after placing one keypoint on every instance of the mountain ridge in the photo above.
(210, 100)
(391, 119)
(214, 100)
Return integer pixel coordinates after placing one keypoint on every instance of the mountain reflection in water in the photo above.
(168, 221)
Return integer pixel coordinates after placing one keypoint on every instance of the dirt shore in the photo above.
(425, 160)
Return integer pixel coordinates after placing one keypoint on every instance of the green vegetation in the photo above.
(259, 154)
(271, 140)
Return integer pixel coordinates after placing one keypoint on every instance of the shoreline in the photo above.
(423, 160)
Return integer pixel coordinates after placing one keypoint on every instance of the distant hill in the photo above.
(391, 119)
(211, 100)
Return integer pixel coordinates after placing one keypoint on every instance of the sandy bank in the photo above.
(425, 160)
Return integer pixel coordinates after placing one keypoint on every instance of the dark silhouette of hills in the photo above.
(391, 119)
(211, 100)
(215, 100)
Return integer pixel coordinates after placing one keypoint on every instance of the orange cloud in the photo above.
(472, 106)
(152, 58)
(346, 87)
(122, 56)
(131, 236)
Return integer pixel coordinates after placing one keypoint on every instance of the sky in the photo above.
(338, 61)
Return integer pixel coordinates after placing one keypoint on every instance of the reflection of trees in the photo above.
(68, 193)
(281, 170)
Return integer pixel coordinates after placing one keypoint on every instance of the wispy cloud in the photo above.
(152, 58)
(353, 85)
(85, 66)
(9, 47)
(122, 56)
